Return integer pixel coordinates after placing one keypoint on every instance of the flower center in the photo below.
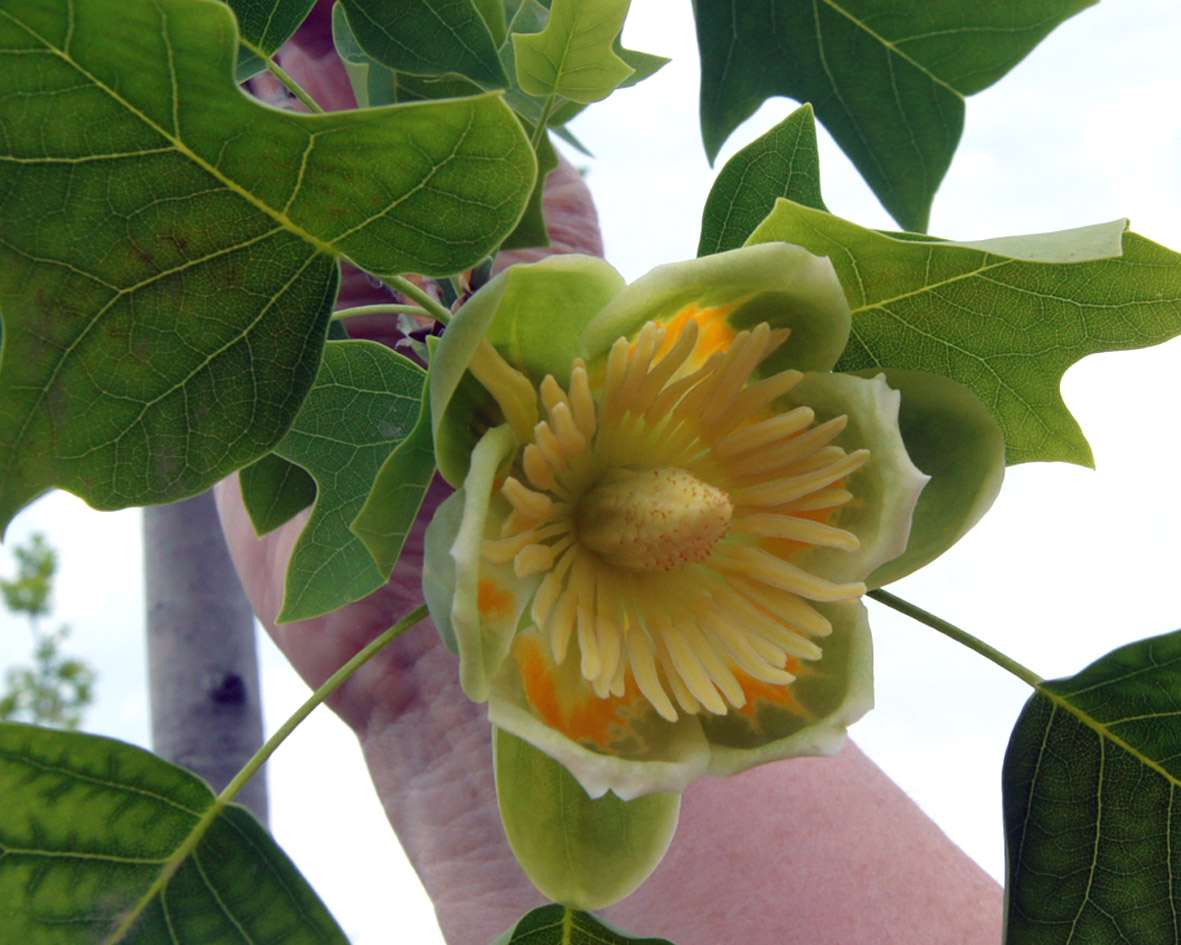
(653, 519)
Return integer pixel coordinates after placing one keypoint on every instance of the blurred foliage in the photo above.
(56, 688)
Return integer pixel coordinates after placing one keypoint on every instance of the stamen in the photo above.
(549, 590)
(643, 665)
(757, 398)
(821, 499)
(582, 404)
(789, 609)
(790, 488)
(534, 505)
(765, 432)
(539, 472)
(508, 386)
(691, 671)
(791, 451)
(761, 566)
(797, 529)
(659, 375)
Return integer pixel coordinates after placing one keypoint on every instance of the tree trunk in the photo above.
(202, 660)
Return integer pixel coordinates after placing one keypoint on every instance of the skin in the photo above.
(809, 851)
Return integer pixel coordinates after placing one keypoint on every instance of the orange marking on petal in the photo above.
(756, 690)
(579, 713)
(713, 331)
(495, 602)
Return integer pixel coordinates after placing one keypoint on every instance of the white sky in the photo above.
(1069, 564)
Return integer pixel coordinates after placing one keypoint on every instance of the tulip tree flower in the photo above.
(667, 510)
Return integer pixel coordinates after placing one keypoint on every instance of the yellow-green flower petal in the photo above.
(679, 521)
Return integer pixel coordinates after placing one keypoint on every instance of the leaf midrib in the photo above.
(177, 143)
(890, 45)
(1104, 732)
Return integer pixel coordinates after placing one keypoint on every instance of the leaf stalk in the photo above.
(1026, 675)
(334, 682)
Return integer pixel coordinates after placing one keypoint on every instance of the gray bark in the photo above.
(202, 658)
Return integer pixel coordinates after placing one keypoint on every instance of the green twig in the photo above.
(292, 86)
(289, 83)
(540, 128)
(334, 682)
(1026, 675)
(390, 309)
(434, 308)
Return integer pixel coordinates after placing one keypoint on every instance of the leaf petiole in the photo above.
(434, 308)
(334, 682)
(283, 76)
(1027, 676)
(293, 87)
(543, 122)
(390, 309)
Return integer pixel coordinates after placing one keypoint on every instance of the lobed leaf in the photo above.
(1091, 780)
(1005, 318)
(428, 38)
(364, 403)
(393, 503)
(168, 247)
(784, 163)
(557, 925)
(887, 81)
(274, 491)
(264, 26)
(104, 842)
(574, 56)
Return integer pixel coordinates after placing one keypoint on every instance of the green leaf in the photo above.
(392, 506)
(428, 38)
(1005, 318)
(264, 26)
(574, 56)
(96, 832)
(557, 925)
(1091, 780)
(782, 163)
(375, 84)
(166, 275)
(582, 852)
(887, 81)
(274, 491)
(364, 403)
(493, 14)
(532, 230)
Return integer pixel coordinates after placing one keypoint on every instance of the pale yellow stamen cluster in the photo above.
(663, 514)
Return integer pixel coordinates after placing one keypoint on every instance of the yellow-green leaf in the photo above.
(574, 55)
(102, 842)
(1005, 318)
(168, 247)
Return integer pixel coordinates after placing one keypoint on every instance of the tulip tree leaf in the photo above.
(375, 84)
(264, 26)
(392, 506)
(1091, 794)
(1005, 318)
(557, 925)
(168, 247)
(274, 491)
(91, 829)
(574, 56)
(887, 81)
(782, 163)
(364, 403)
(427, 38)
